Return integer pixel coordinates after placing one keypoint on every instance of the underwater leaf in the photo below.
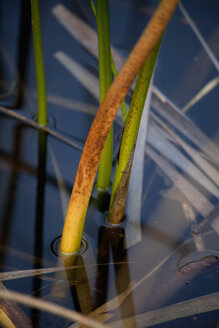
(87, 79)
(62, 187)
(197, 156)
(156, 138)
(194, 197)
(184, 309)
(170, 112)
(89, 82)
(82, 32)
(71, 104)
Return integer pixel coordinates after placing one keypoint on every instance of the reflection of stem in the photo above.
(123, 282)
(38, 246)
(42, 154)
(70, 275)
(23, 44)
(102, 271)
(82, 287)
(77, 281)
(105, 311)
(7, 215)
(113, 238)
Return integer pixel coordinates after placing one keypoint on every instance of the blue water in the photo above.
(32, 206)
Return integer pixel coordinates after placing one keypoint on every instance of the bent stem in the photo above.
(105, 80)
(129, 137)
(74, 222)
(39, 65)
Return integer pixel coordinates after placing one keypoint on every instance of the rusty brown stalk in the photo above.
(74, 222)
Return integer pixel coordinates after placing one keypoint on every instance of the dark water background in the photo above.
(31, 208)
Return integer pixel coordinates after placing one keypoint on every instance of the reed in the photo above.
(39, 63)
(105, 80)
(128, 140)
(74, 222)
(113, 66)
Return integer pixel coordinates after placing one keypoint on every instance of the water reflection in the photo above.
(81, 292)
(39, 220)
(23, 51)
(111, 242)
(149, 269)
(10, 193)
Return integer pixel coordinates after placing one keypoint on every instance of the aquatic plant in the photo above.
(105, 80)
(74, 223)
(39, 64)
(128, 140)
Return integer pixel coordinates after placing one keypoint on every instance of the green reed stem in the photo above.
(132, 122)
(105, 80)
(92, 4)
(39, 64)
(113, 66)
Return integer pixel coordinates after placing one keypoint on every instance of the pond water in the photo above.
(153, 261)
